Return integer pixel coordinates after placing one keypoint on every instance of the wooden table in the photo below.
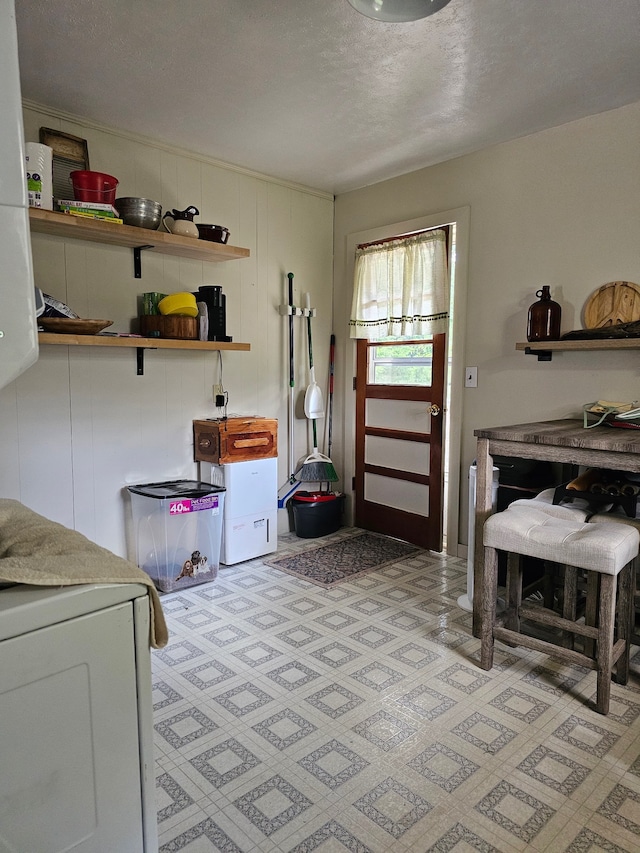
(564, 441)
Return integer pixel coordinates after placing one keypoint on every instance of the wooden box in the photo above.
(235, 439)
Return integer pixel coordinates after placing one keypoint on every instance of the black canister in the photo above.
(543, 321)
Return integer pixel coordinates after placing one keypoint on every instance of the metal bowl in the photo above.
(141, 212)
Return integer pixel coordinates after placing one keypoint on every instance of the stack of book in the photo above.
(90, 210)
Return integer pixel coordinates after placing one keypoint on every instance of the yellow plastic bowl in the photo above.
(180, 304)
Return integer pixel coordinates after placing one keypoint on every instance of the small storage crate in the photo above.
(224, 440)
(178, 531)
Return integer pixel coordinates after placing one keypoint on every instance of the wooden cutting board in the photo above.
(613, 303)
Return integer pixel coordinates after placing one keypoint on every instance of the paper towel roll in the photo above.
(39, 160)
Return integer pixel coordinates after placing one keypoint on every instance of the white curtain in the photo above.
(401, 287)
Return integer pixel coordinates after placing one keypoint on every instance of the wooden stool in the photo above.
(604, 551)
(617, 516)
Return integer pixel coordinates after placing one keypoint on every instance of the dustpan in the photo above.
(313, 402)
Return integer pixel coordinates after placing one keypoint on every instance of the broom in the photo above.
(316, 467)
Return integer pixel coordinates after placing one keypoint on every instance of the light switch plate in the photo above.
(471, 377)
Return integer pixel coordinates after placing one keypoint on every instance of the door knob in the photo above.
(434, 409)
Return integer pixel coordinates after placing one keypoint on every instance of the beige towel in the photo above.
(65, 557)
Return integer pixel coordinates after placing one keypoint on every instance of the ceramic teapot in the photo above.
(181, 222)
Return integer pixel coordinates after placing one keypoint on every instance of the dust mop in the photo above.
(316, 467)
(285, 491)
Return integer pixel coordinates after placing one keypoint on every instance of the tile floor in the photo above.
(293, 718)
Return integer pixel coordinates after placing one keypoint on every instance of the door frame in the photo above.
(454, 372)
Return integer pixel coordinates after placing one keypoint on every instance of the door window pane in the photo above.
(397, 454)
(398, 494)
(401, 364)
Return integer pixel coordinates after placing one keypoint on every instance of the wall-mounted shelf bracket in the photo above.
(543, 355)
(137, 262)
(140, 359)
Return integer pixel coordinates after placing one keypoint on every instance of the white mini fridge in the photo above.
(250, 516)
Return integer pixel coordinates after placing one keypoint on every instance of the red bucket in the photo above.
(94, 186)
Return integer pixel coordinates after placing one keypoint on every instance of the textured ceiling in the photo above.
(312, 92)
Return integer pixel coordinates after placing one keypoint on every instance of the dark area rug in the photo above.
(328, 565)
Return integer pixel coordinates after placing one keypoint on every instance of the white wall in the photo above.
(562, 208)
(80, 424)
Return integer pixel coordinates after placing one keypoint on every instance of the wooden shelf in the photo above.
(559, 346)
(138, 343)
(543, 349)
(77, 228)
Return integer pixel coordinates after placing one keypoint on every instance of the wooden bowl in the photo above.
(69, 326)
(157, 326)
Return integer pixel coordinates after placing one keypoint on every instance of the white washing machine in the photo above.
(76, 740)
(250, 517)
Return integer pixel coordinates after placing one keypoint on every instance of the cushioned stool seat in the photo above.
(556, 582)
(605, 551)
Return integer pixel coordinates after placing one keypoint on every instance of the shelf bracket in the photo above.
(140, 359)
(137, 263)
(543, 355)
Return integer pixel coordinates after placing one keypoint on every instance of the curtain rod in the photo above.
(444, 228)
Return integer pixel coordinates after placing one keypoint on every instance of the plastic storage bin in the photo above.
(316, 513)
(178, 531)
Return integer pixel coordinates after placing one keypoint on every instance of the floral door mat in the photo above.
(328, 565)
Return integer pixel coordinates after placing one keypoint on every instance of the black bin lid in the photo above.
(175, 489)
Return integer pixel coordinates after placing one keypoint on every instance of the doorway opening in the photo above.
(398, 372)
(459, 218)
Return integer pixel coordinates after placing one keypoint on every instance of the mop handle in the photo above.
(308, 304)
(313, 421)
(332, 350)
(291, 378)
(290, 277)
